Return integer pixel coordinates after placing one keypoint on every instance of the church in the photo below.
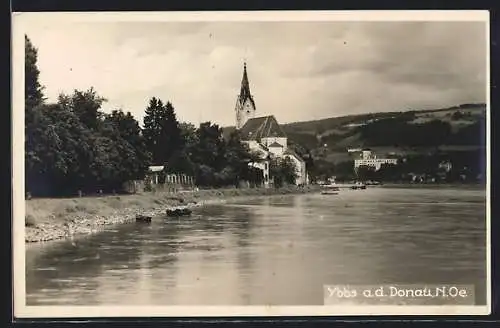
(264, 135)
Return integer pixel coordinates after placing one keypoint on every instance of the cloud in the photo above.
(298, 70)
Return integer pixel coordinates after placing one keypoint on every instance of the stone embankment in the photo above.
(51, 219)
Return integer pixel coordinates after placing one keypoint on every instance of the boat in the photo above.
(179, 212)
(143, 218)
(330, 190)
(358, 185)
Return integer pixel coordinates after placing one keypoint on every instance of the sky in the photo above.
(298, 71)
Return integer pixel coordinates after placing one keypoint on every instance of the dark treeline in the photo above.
(72, 145)
(466, 166)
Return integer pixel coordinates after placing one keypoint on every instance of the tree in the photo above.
(388, 172)
(44, 161)
(365, 172)
(86, 105)
(289, 170)
(282, 170)
(171, 132)
(188, 133)
(32, 88)
(209, 149)
(162, 132)
(238, 156)
(152, 127)
(126, 132)
(35, 122)
(344, 170)
(59, 151)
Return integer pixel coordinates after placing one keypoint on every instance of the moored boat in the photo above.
(330, 190)
(179, 212)
(143, 218)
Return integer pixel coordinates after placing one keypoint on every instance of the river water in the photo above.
(279, 250)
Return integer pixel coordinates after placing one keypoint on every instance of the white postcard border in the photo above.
(21, 310)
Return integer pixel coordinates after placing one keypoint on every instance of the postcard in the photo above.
(237, 164)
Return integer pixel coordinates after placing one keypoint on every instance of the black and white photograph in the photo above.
(251, 163)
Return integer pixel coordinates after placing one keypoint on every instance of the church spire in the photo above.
(245, 105)
(245, 85)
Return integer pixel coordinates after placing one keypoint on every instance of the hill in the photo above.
(457, 128)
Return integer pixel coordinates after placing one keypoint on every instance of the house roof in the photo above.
(261, 127)
(294, 154)
(275, 144)
(156, 168)
(263, 147)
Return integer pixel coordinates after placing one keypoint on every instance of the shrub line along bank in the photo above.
(52, 219)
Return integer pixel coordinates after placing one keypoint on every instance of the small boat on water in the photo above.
(179, 212)
(358, 186)
(330, 190)
(143, 218)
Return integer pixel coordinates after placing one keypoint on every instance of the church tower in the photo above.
(245, 105)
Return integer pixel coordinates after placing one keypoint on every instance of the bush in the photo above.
(29, 221)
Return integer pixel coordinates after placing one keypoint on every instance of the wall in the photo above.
(244, 113)
(300, 168)
(173, 183)
(366, 154)
(277, 151)
(376, 163)
(264, 166)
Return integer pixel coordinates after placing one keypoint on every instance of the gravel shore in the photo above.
(52, 219)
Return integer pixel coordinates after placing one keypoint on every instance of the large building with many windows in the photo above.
(365, 157)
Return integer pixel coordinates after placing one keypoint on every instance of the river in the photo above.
(279, 250)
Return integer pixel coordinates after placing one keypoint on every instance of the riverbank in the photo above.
(477, 186)
(52, 218)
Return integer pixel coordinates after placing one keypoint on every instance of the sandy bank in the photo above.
(50, 219)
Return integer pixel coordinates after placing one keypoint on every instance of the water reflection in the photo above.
(277, 250)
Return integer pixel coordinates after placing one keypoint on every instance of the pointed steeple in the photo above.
(245, 105)
(245, 85)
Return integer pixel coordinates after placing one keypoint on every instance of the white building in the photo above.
(446, 166)
(367, 158)
(264, 135)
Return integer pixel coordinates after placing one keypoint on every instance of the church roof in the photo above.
(156, 168)
(275, 144)
(261, 127)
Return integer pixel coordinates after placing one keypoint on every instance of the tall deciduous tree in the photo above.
(32, 88)
(282, 170)
(209, 149)
(238, 156)
(36, 134)
(127, 132)
(86, 105)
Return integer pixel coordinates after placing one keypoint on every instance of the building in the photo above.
(264, 135)
(445, 166)
(368, 158)
(153, 175)
(156, 176)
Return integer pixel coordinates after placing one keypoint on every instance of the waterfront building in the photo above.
(264, 135)
(368, 158)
